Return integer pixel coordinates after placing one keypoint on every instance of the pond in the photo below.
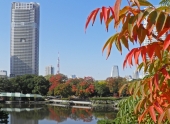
(50, 114)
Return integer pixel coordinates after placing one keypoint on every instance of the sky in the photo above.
(62, 25)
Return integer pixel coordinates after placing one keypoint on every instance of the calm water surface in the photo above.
(49, 114)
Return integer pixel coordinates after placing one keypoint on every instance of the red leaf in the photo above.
(109, 49)
(158, 108)
(150, 85)
(165, 73)
(124, 63)
(112, 11)
(143, 54)
(116, 10)
(158, 52)
(89, 18)
(104, 11)
(130, 56)
(152, 113)
(166, 28)
(136, 56)
(135, 33)
(151, 50)
(101, 17)
(95, 14)
(166, 42)
(141, 117)
(163, 32)
(156, 81)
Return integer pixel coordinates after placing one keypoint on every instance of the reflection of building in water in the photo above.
(18, 120)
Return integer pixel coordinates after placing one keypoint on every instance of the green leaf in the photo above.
(118, 45)
(130, 25)
(141, 34)
(140, 66)
(152, 19)
(162, 8)
(124, 10)
(111, 39)
(161, 21)
(151, 68)
(143, 3)
(125, 42)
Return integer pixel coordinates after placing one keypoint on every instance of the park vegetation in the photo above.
(85, 87)
(60, 85)
(149, 102)
(25, 84)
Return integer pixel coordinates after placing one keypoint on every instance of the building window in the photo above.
(23, 40)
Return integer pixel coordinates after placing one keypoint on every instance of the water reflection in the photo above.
(32, 114)
(3, 117)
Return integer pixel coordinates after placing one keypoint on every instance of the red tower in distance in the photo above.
(58, 64)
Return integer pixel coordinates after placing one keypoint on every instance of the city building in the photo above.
(49, 70)
(136, 74)
(129, 78)
(72, 76)
(115, 71)
(24, 43)
(3, 73)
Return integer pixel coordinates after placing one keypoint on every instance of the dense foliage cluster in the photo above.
(25, 84)
(84, 87)
(150, 95)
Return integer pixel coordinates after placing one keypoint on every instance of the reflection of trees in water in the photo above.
(81, 114)
(36, 114)
(3, 118)
(60, 114)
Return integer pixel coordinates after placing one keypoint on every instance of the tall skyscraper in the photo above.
(24, 49)
(115, 71)
(135, 74)
(49, 70)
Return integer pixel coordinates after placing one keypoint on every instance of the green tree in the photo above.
(41, 85)
(30, 84)
(47, 77)
(101, 88)
(5, 85)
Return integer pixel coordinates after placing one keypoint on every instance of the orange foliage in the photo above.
(154, 89)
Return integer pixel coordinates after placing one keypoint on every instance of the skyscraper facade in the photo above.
(24, 43)
(115, 71)
(49, 70)
(136, 74)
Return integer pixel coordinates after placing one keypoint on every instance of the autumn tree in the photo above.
(56, 80)
(84, 88)
(63, 89)
(150, 100)
(115, 83)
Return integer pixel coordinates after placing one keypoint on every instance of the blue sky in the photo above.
(62, 30)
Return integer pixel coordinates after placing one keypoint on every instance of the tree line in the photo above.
(25, 84)
(59, 84)
(85, 87)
